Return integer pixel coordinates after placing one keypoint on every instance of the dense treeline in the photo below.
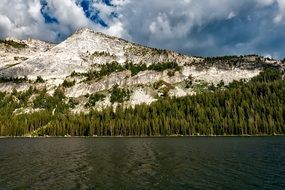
(114, 66)
(255, 107)
(16, 80)
(14, 44)
(247, 61)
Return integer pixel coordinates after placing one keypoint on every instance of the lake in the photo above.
(143, 163)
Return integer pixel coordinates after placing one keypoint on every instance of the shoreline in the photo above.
(158, 136)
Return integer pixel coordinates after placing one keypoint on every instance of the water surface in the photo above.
(143, 163)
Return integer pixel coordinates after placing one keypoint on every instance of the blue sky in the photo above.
(194, 27)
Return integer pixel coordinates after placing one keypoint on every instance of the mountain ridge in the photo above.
(90, 62)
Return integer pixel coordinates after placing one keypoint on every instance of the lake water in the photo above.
(143, 163)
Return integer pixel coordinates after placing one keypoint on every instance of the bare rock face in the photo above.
(81, 50)
(9, 87)
(87, 50)
(14, 52)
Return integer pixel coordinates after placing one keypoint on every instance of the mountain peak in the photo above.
(89, 32)
(84, 30)
(88, 40)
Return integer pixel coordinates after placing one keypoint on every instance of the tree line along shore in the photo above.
(256, 107)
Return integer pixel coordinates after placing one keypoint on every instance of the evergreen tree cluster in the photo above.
(17, 80)
(94, 98)
(256, 107)
(119, 95)
(68, 83)
(114, 66)
(39, 79)
(14, 44)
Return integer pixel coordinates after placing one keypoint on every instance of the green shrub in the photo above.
(56, 101)
(221, 84)
(189, 81)
(17, 80)
(105, 70)
(94, 98)
(164, 66)
(40, 79)
(171, 73)
(119, 95)
(135, 69)
(72, 103)
(68, 84)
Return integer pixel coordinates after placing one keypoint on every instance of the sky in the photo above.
(193, 27)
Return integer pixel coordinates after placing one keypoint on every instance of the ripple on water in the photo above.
(142, 163)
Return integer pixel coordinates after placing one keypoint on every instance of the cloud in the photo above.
(280, 16)
(208, 27)
(54, 20)
(199, 27)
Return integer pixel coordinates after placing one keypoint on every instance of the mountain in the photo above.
(81, 50)
(90, 67)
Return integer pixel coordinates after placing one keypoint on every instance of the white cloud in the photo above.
(231, 15)
(281, 15)
(69, 15)
(23, 19)
(159, 23)
(5, 25)
(175, 24)
(264, 2)
(159, 18)
(117, 29)
(120, 2)
(162, 22)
